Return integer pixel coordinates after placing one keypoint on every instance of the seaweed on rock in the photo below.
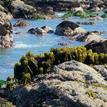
(32, 65)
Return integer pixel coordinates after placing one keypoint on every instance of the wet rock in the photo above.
(86, 23)
(41, 31)
(63, 44)
(47, 29)
(37, 31)
(99, 47)
(67, 86)
(89, 37)
(68, 28)
(20, 23)
(97, 18)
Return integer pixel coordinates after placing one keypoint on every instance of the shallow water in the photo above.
(24, 42)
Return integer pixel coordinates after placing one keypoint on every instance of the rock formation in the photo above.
(72, 84)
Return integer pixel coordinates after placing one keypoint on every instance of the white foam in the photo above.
(22, 45)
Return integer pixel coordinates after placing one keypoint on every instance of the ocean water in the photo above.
(23, 42)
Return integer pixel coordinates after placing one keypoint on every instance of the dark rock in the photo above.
(99, 47)
(68, 28)
(41, 31)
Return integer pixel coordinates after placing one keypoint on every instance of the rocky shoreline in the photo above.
(63, 77)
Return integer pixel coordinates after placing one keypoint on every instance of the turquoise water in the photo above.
(24, 42)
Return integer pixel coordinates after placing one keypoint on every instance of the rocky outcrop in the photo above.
(41, 31)
(21, 10)
(6, 37)
(68, 28)
(4, 14)
(99, 47)
(72, 84)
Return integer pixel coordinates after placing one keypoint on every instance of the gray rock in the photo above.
(102, 69)
(22, 10)
(6, 37)
(41, 31)
(65, 87)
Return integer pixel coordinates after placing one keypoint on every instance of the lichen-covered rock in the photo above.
(72, 84)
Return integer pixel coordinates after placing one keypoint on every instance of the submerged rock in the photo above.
(86, 23)
(72, 84)
(99, 47)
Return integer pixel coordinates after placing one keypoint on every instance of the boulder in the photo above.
(21, 10)
(68, 28)
(20, 23)
(72, 84)
(6, 37)
(99, 47)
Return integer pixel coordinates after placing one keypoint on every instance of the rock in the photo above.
(78, 9)
(41, 31)
(89, 37)
(20, 23)
(96, 18)
(68, 28)
(47, 29)
(102, 69)
(63, 44)
(21, 10)
(72, 84)
(6, 37)
(37, 31)
(4, 14)
(86, 23)
(99, 47)
(49, 10)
